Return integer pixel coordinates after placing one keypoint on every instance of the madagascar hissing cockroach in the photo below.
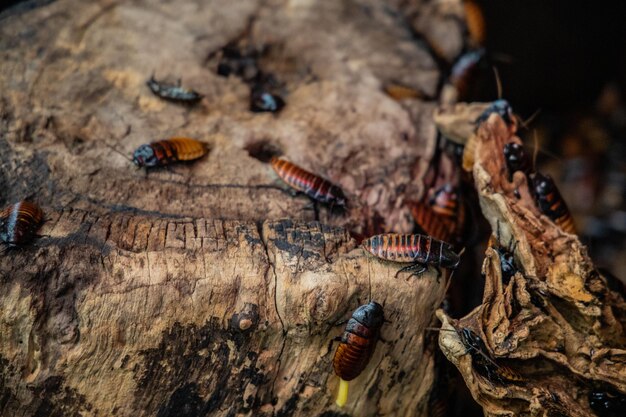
(169, 151)
(315, 187)
(19, 222)
(172, 92)
(482, 360)
(550, 202)
(504, 110)
(418, 251)
(357, 345)
(607, 403)
(464, 71)
(516, 159)
(442, 216)
(431, 223)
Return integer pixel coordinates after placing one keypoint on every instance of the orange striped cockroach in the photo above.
(418, 251)
(19, 222)
(315, 187)
(169, 151)
(174, 93)
(551, 203)
(357, 344)
(443, 215)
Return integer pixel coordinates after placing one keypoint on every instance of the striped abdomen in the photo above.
(168, 151)
(433, 224)
(412, 249)
(310, 184)
(551, 203)
(358, 341)
(19, 222)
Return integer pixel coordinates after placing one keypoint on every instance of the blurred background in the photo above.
(567, 61)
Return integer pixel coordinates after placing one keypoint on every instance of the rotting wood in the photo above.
(136, 315)
(182, 291)
(555, 323)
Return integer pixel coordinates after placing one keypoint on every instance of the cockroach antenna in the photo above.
(117, 151)
(496, 73)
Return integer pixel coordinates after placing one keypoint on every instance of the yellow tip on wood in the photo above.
(342, 395)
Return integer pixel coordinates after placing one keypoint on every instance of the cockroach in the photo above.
(19, 222)
(551, 203)
(169, 151)
(433, 224)
(607, 404)
(516, 159)
(504, 110)
(445, 201)
(507, 260)
(315, 187)
(443, 214)
(481, 358)
(418, 251)
(261, 100)
(357, 345)
(464, 71)
(174, 93)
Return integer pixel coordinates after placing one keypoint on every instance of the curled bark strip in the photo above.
(555, 323)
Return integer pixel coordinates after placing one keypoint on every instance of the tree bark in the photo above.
(185, 291)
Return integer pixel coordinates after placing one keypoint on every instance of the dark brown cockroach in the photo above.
(551, 203)
(169, 151)
(482, 360)
(516, 159)
(315, 187)
(357, 345)
(464, 71)
(19, 222)
(418, 251)
(174, 93)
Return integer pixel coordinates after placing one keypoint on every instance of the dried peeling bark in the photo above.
(556, 323)
(182, 292)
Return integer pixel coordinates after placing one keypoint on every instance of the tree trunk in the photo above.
(182, 292)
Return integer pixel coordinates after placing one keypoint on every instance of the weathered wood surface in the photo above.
(556, 323)
(181, 292)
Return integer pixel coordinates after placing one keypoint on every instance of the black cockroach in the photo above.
(174, 93)
(418, 251)
(357, 345)
(19, 222)
(551, 203)
(507, 259)
(315, 187)
(481, 358)
(516, 159)
(464, 70)
(261, 100)
(607, 403)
